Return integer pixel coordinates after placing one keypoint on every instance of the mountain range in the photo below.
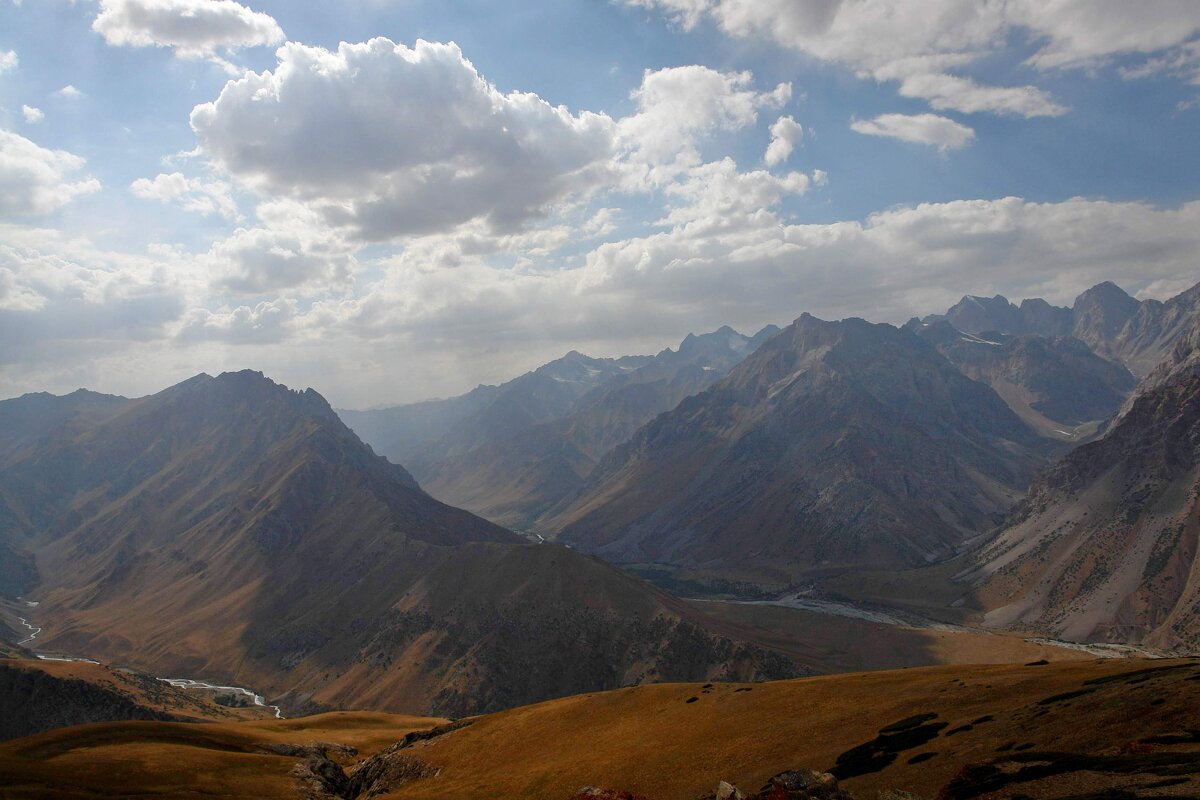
(1137, 334)
(512, 451)
(835, 445)
(231, 528)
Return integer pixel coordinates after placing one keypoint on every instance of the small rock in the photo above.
(803, 784)
(727, 791)
(594, 793)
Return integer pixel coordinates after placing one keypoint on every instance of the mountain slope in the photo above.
(836, 445)
(422, 434)
(38, 696)
(1137, 334)
(1105, 547)
(232, 529)
(1053, 383)
(520, 473)
(1089, 729)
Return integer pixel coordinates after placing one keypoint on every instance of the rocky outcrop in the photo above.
(322, 775)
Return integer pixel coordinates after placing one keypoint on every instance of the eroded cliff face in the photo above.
(1105, 547)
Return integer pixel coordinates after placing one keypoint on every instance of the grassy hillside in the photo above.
(1065, 729)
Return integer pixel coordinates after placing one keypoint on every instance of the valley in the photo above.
(841, 502)
(599, 400)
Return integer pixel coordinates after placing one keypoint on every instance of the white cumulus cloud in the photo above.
(192, 28)
(8, 61)
(264, 323)
(786, 136)
(941, 132)
(385, 140)
(918, 44)
(679, 105)
(35, 180)
(290, 249)
(32, 115)
(192, 194)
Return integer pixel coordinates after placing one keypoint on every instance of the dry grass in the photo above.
(648, 739)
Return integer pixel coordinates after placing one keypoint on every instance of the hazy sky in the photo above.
(389, 200)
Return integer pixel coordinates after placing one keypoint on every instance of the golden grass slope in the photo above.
(676, 741)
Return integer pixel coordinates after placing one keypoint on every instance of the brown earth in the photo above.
(38, 695)
(1070, 729)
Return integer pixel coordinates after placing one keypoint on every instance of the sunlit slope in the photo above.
(1085, 726)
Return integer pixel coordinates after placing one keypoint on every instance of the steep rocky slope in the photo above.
(837, 445)
(232, 529)
(522, 472)
(1056, 384)
(1105, 546)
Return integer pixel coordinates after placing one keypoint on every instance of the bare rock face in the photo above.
(836, 445)
(1051, 383)
(1099, 315)
(1105, 547)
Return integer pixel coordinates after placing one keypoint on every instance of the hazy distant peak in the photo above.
(725, 338)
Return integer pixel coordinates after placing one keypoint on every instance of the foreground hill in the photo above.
(38, 696)
(1105, 547)
(1137, 334)
(1088, 729)
(836, 445)
(232, 529)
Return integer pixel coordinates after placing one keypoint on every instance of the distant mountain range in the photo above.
(1137, 334)
(510, 452)
(831, 446)
(231, 528)
(234, 529)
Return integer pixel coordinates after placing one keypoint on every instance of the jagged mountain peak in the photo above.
(808, 455)
(1106, 291)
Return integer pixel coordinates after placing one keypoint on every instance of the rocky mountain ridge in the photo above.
(835, 445)
(517, 471)
(233, 529)
(1137, 334)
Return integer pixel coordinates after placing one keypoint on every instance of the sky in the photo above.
(392, 200)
